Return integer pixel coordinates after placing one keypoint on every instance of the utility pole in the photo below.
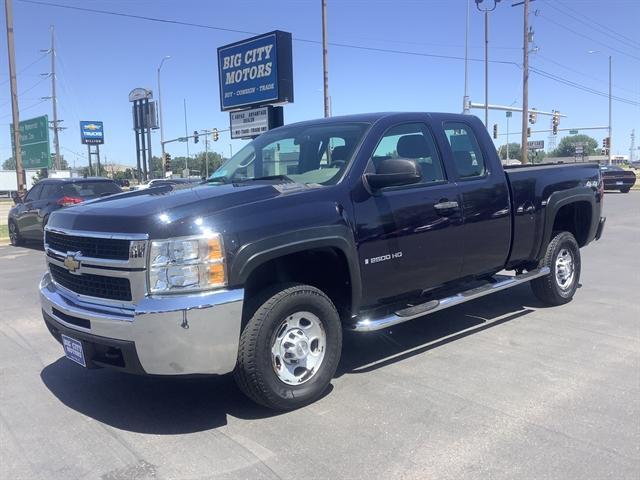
(632, 146)
(325, 61)
(525, 83)
(20, 177)
(54, 100)
(486, 68)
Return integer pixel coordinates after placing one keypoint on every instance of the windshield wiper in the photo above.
(269, 177)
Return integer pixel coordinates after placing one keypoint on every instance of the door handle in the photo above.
(446, 205)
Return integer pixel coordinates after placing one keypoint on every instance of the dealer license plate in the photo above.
(73, 350)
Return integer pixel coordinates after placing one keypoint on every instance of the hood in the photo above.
(145, 211)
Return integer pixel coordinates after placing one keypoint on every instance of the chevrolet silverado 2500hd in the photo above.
(347, 223)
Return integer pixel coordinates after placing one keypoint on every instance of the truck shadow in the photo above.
(169, 406)
(365, 352)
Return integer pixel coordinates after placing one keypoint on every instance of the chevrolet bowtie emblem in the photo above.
(70, 261)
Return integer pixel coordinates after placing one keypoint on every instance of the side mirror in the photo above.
(393, 172)
(16, 198)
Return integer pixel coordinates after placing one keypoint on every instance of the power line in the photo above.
(26, 67)
(584, 36)
(211, 27)
(602, 80)
(351, 46)
(607, 30)
(579, 86)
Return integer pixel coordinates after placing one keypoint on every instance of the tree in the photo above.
(566, 147)
(9, 164)
(515, 152)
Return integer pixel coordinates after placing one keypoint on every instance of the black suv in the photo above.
(29, 216)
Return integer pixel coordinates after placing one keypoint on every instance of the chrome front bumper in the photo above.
(172, 335)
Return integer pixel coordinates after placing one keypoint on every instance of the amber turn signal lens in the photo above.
(216, 274)
(215, 249)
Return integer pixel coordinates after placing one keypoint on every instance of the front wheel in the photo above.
(14, 234)
(563, 259)
(290, 348)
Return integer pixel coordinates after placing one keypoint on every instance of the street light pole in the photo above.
(486, 56)
(610, 143)
(325, 61)
(166, 57)
(465, 98)
(525, 83)
(610, 97)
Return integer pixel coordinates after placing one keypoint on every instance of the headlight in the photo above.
(186, 264)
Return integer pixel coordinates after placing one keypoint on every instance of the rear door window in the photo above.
(467, 156)
(90, 189)
(34, 193)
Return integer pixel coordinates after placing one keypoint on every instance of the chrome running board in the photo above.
(498, 282)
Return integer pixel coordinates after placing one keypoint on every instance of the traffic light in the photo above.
(533, 116)
(167, 162)
(495, 130)
(215, 135)
(555, 122)
(528, 131)
(605, 142)
(196, 137)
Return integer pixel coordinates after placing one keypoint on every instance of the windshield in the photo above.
(311, 154)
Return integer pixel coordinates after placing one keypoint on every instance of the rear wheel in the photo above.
(625, 189)
(14, 234)
(563, 259)
(290, 348)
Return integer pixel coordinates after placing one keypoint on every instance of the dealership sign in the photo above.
(255, 72)
(535, 144)
(255, 121)
(91, 133)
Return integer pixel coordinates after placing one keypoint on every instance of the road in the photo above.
(496, 389)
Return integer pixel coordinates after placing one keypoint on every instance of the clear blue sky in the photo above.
(101, 58)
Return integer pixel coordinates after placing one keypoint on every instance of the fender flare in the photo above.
(560, 199)
(252, 255)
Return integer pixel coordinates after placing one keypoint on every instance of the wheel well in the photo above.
(324, 268)
(574, 218)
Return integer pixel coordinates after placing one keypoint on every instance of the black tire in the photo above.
(255, 372)
(14, 234)
(549, 289)
(625, 190)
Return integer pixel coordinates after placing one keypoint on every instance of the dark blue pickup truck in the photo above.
(348, 223)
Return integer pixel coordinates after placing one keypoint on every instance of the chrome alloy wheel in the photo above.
(298, 348)
(13, 233)
(565, 269)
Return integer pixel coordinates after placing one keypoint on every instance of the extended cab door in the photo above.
(408, 236)
(485, 197)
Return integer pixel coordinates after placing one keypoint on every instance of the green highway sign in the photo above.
(34, 142)
(573, 132)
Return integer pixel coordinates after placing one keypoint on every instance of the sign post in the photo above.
(92, 133)
(144, 119)
(34, 142)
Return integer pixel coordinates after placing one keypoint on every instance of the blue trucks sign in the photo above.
(256, 71)
(91, 133)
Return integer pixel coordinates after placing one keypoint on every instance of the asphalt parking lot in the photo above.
(495, 389)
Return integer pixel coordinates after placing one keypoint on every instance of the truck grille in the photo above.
(113, 288)
(108, 248)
